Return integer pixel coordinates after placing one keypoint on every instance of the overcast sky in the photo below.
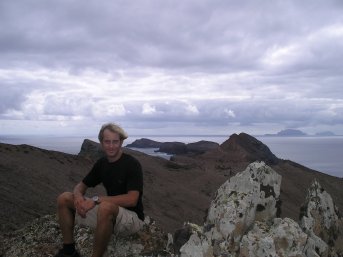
(171, 67)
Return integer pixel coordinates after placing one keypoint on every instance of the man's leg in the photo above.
(66, 215)
(105, 219)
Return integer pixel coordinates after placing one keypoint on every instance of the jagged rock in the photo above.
(91, 149)
(181, 236)
(244, 146)
(283, 238)
(242, 221)
(252, 195)
(321, 220)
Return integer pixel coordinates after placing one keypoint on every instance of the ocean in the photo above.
(319, 153)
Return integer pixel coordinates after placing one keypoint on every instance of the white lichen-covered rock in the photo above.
(315, 247)
(283, 238)
(198, 245)
(321, 220)
(249, 196)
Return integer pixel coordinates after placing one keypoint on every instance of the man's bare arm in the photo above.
(79, 200)
(80, 189)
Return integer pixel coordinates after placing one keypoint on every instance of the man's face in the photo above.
(111, 144)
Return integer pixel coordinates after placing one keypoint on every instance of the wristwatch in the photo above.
(96, 199)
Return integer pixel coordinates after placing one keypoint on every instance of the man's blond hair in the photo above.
(114, 128)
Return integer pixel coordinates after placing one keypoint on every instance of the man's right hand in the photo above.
(79, 205)
(82, 204)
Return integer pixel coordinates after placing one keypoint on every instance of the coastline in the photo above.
(318, 153)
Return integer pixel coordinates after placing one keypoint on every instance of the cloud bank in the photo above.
(196, 67)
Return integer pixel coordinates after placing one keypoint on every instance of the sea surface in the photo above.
(324, 154)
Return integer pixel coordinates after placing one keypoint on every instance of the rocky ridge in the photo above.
(176, 190)
(242, 220)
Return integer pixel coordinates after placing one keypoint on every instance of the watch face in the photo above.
(95, 198)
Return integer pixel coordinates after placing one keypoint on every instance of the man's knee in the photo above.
(107, 210)
(65, 199)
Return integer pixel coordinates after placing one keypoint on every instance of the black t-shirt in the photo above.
(118, 178)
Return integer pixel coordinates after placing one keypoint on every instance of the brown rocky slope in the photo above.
(175, 191)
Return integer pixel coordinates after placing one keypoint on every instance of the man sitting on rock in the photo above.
(120, 212)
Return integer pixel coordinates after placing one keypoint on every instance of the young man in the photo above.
(120, 212)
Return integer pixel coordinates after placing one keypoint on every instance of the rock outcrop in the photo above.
(244, 146)
(322, 222)
(242, 221)
(91, 150)
(252, 195)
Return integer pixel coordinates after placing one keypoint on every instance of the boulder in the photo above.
(91, 150)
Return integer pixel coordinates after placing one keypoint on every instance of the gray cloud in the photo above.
(200, 35)
(195, 62)
(11, 97)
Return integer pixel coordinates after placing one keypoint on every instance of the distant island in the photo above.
(298, 133)
(325, 134)
(174, 147)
